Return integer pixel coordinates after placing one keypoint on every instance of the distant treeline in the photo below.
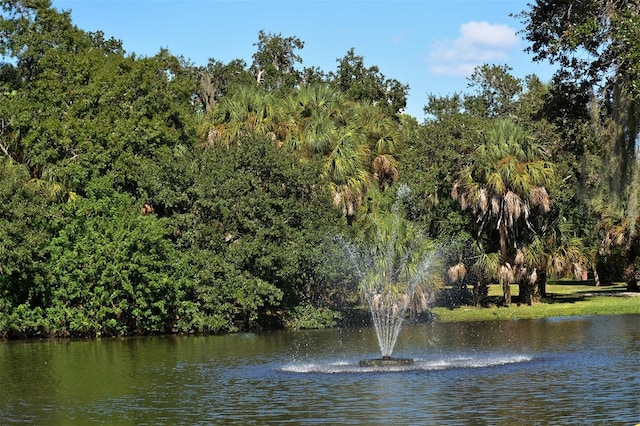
(145, 195)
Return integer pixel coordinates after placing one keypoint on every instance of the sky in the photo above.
(430, 45)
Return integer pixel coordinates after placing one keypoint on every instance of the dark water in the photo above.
(560, 371)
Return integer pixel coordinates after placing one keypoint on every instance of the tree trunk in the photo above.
(630, 277)
(542, 284)
(526, 292)
(529, 292)
(480, 293)
(460, 293)
(503, 243)
(350, 219)
(630, 273)
(208, 92)
(506, 292)
(506, 285)
(596, 276)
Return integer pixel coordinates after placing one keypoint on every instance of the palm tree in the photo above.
(398, 269)
(357, 141)
(365, 152)
(312, 115)
(383, 136)
(504, 186)
(484, 269)
(246, 110)
(346, 171)
(622, 230)
(559, 252)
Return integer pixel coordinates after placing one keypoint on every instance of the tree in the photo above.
(25, 229)
(258, 217)
(79, 108)
(619, 230)
(364, 152)
(274, 62)
(32, 30)
(357, 141)
(363, 84)
(310, 117)
(114, 269)
(606, 32)
(497, 90)
(246, 111)
(505, 186)
(429, 155)
(218, 79)
(596, 47)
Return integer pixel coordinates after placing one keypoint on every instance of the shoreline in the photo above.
(561, 301)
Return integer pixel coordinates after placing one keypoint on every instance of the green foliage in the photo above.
(147, 195)
(307, 316)
(606, 32)
(82, 109)
(497, 91)
(430, 158)
(363, 84)
(227, 298)
(357, 142)
(263, 215)
(24, 234)
(274, 62)
(113, 270)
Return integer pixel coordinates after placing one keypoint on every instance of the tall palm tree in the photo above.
(357, 140)
(364, 152)
(246, 110)
(505, 186)
(383, 136)
(312, 113)
(346, 170)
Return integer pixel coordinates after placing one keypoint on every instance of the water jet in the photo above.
(396, 263)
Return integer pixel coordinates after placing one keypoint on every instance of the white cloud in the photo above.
(478, 43)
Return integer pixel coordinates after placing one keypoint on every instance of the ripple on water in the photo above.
(418, 365)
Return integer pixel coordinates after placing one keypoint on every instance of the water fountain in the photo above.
(387, 312)
(397, 262)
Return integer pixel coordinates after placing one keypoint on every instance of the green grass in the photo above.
(561, 300)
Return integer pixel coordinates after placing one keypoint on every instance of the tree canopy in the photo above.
(145, 195)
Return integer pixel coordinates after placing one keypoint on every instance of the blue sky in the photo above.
(431, 45)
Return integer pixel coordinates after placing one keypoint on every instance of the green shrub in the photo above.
(307, 316)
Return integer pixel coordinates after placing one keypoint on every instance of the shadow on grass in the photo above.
(583, 294)
(563, 298)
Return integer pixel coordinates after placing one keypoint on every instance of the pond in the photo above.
(569, 370)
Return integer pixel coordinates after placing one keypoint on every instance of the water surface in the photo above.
(574, 370)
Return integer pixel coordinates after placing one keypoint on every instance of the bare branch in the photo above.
(4, 149)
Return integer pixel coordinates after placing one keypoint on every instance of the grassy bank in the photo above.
(561, 300)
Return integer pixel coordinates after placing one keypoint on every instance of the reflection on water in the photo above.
(569, 371)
